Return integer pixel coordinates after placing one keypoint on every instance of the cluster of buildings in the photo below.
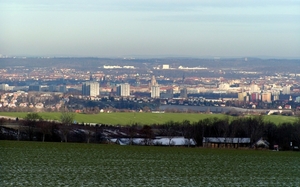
(254, 93)
(93, 89)
(22, 100)
(152, 80)
(245, 92)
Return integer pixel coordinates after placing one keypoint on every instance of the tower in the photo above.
(123, 90)
(153, 81)
(286, 90)
(90, 88)
(137, 80)
(155, 91)
(266, 97)
(183, 93)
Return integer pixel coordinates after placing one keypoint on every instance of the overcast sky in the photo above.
(119, 28)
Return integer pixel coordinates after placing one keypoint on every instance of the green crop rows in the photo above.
(71, 164)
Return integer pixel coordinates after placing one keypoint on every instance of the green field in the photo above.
(71, 164)
(140, 118)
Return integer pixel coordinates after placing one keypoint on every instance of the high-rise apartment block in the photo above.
(90, 88)
(266, 97)
(254, 96)
(4, 86)
(242, 96)
(123, 90)
(254, 88)
(286, 90)
(155, 91)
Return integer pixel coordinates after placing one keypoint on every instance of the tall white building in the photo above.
(286, 90)
(90, 88)
(266, 97)
(4, 86)
(123, 90)
(155, 91)
(254, 88)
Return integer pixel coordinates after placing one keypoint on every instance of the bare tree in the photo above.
(221, 127)
(89, 133)
(66, 118)
(131, 131)
(168, 130)
(148, 134)
(2, 121)
(296, 133)
(30, 123)
(45, 128)
(187, 131)
(254, 128)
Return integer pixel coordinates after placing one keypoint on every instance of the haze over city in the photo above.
(149, 92)
(150, 28)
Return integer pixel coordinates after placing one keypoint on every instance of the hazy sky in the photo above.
(119, 28)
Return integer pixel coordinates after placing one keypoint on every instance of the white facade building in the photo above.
(123, 90)
(166, 66)
(254, 88)
(4, 86)
(155, 91)
(286, 90)
(90, 88)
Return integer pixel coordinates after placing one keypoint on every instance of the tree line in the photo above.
(34, 128)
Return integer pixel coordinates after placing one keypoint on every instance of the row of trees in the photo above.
(254, 128)
(33, 127)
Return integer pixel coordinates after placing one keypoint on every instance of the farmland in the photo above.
(122, 118)
(71, 164)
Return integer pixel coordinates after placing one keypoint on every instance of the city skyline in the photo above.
(150, 28)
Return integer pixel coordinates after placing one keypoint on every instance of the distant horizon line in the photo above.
(149, 57)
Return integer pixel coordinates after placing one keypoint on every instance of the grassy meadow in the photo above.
(75, 164)
(122, 118)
